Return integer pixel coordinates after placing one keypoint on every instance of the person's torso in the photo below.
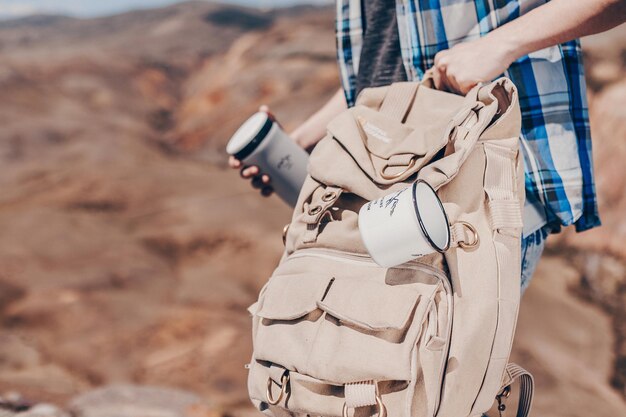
(381, 59)
(555, 127)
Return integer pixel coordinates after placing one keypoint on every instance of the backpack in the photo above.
(334, 334)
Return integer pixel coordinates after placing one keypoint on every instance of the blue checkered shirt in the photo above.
(556, 140)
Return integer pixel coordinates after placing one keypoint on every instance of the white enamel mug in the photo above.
(261, 141)
(404, 225)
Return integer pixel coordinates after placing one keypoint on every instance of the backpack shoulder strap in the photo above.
(398, 100)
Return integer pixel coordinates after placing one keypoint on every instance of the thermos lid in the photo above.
(249, 135)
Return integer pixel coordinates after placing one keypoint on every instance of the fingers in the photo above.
(451, 83)
(439, 59)
(442, 82)
(258, 180)
(465, 87)
(249, 171)
(234, 162)
(262, 182)
(264, 108)
(440, 71)
(267, 191)
(437, 79)
(245, 171)
(450, 74)
(445, 79)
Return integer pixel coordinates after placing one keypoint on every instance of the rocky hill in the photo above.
(129, 251)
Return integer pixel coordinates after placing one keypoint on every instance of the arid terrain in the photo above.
(129, 251)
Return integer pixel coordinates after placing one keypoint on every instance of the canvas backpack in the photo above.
(334, 333)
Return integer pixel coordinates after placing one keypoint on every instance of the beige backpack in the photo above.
(334, 333)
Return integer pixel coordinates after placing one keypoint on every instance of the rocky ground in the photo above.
(129, 251)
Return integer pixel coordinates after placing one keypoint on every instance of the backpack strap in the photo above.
(362, 394)
(481, 107)
(463, 132)
(505, 210)
(398, 99)
(316, 211)
(513, 373)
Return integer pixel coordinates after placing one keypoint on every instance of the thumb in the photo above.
(266, 109)
(436, 76)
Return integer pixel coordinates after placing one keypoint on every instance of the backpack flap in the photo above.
(389, 143)
(290, 297)
(368, 306)
(486, 105)
(341, 330)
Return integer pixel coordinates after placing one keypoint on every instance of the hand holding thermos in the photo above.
(258, 180)
(264, 153)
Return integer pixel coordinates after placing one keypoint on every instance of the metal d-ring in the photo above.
(475, 238)
(382, 410)
(285, 230)
(396, 176)
(283, 389)
(506, 392)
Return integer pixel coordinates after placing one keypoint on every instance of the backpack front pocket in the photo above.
(368, 331)
(360, 323)
(288, 318)
(345, 327)
(339, 329)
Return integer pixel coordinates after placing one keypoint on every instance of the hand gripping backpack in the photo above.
(334, 334)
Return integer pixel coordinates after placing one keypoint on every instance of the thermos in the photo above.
(261, 141)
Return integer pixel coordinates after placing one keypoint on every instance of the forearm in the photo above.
(314, 128)
(556, 22)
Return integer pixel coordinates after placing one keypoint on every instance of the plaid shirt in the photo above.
(556, 140)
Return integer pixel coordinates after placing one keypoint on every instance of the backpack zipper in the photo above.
(366, 260)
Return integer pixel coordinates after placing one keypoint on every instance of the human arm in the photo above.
(314, 128)
(466, 64)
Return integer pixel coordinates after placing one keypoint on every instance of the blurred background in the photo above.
(129, 251)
